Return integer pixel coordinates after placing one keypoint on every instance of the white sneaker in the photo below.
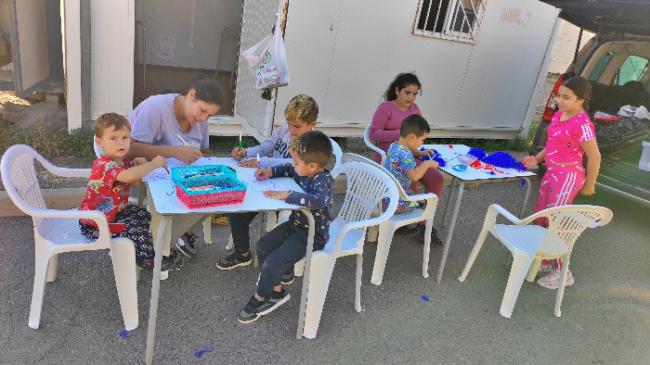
(552, 280)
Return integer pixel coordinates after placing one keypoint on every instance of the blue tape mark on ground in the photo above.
(203, 351)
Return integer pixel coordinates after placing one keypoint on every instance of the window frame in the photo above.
(449, 20)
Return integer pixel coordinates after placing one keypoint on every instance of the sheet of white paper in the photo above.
(267, 185)
(156, 175)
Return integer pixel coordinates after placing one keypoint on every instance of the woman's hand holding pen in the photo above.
(188, 154)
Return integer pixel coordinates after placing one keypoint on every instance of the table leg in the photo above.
(451, 193)
(526, 196)
(305, 277)
(164, 230)
(450, 233)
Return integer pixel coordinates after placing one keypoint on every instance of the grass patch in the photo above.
(49, 143)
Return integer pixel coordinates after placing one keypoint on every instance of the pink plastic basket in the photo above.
(207, 186)
(210, 200)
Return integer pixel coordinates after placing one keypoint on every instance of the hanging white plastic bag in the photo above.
(253, 55)
(268, 60)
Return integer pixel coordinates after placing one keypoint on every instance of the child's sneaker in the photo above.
(546, 267)
(186, 244)
(552, 280)
(277, 299)
(250, 313)
(287, 278)
(168, 263)
(233, 261)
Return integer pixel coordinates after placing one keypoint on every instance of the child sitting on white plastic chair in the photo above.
(400, 162)
(301, 114)
(286, 244)
(110, 180)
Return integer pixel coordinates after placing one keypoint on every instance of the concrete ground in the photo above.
(606, 314)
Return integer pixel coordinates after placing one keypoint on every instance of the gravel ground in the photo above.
(606, 314)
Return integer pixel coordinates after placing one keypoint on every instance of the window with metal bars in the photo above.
(449, 19)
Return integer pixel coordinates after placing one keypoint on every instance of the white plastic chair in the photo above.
(373, 146)
(57, 231)
(530, 244)
(387, 228)
(366, 186)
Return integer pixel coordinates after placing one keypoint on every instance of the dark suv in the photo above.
(616, 62)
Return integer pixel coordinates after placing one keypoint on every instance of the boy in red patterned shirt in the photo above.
(109, 183)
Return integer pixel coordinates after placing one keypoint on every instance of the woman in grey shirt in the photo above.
(176, 125)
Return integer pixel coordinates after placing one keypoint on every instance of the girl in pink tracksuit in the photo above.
(570, 136)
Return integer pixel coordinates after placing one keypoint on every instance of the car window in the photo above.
(600, 66)
(632, 69)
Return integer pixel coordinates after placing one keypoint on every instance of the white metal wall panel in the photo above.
(112, 39)
(505, 64)
(258, 18)
(346, 52)
(71, 30)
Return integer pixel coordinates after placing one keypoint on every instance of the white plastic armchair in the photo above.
(530, 244)
(387, 228)
(373, 146)
(57, 231)
(366, 186)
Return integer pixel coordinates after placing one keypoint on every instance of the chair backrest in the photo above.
(373, 146)
(338, 153)
(99, 151)
(347, 157)
(569, 221)
(367, 185)
(19, 178)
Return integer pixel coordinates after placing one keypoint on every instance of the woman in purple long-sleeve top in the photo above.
(384, 129)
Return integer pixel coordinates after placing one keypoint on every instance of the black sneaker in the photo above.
(273, 303)
(186, 244)
(168, 263)
(287, 278)
(233, 261)
(250, 313)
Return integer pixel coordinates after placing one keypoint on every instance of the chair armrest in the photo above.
(63, 171)
(418, 197)
(494, 210)
(69, 172)
(374, 147)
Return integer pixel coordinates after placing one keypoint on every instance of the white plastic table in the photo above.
(170, 214)
(453, 156)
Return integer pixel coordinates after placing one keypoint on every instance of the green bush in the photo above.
(50, 143)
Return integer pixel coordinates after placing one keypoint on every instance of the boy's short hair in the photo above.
(414, 124)
(313, 147)
(302, 107)
(108, 120)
